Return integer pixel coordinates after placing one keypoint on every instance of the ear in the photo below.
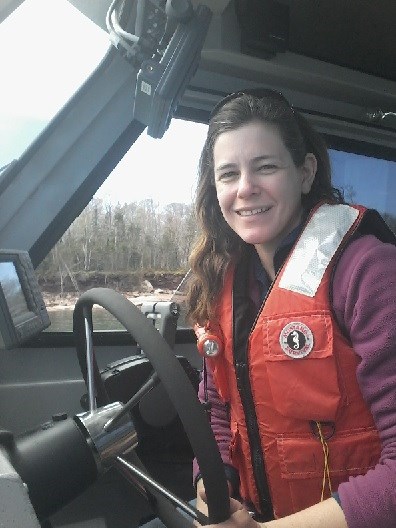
(308, 172)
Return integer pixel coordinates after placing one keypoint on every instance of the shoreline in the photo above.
(68, 301)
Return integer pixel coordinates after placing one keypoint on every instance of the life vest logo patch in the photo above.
(296, 340)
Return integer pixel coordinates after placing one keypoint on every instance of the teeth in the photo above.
(252, 212)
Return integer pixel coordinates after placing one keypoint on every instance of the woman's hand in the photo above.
(201, 499)
(239, 516)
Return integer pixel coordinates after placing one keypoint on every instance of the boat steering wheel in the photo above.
(181, 393)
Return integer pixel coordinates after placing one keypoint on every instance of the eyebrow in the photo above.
(225, 166)
(256, 159)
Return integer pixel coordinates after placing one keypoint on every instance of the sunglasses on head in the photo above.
(261, 93)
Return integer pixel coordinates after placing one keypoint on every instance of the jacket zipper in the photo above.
(254, 440)
(245, 393)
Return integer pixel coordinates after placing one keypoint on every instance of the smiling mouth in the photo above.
(252, 212)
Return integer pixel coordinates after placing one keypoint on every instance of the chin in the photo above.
(254, 241)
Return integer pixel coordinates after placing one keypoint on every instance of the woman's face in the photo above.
(258, 186)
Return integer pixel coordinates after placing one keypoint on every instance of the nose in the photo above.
(246, 185)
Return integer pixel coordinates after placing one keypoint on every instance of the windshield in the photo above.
(48, 49)
(137, 232)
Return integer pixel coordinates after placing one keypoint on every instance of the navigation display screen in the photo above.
(13, 293)
(22, 310)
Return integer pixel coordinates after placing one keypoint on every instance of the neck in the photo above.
(267, 260)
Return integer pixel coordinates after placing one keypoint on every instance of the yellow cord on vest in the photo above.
(326, 468)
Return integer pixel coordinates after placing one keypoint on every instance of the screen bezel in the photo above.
(13, 332)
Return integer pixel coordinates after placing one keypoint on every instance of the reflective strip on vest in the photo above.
(316, 247)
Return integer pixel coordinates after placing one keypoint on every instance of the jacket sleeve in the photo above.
(220, 423)
(364, 301)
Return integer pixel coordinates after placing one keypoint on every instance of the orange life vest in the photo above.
(299, 424)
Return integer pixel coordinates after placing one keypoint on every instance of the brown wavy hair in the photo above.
(218, 245)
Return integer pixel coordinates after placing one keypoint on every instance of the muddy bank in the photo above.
(136, 287)
(67, 301)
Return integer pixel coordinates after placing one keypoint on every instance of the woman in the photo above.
(293, 295)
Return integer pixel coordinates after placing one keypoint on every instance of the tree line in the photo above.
(118, 245)
(111, 241)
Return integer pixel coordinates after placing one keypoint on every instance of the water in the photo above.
(62, 319)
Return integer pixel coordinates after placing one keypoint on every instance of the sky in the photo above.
(164, 170)
(43, 63)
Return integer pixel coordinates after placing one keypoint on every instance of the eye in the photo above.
(267, 168)
(227, 176)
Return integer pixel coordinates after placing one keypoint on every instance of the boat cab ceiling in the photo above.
(334, 61)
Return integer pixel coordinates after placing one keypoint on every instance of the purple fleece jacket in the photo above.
(364, 302)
